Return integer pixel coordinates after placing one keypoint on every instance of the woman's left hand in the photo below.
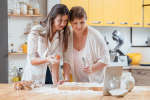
(87, 69)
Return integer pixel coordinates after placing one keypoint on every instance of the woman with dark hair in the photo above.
(87, 54)
(46, 42)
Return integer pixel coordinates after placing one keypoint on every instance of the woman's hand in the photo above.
(87, 69)
(62, 81)
(53, 59)
(94, 68)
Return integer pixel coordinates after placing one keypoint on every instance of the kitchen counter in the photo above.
(8, 93)
(136, 67)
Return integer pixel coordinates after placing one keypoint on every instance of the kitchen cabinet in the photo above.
(141, 77)
(111, 14)
(146, 2)
(124, 13)
(146, 16)
(71, 3)
(141, 74)
(136, 13)
(96, 12)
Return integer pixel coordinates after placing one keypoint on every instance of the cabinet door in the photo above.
(111, 13)
(71, 3)
(96, 12)
(146, 1)
(141, 77)
(137, 13)
(147, 16)
(124, 13)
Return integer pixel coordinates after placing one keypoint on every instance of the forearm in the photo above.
(38, 61)
(55, 73)
(66, 70)
(98, 66)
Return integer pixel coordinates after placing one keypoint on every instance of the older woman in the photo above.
(87, 54)
(45, 41)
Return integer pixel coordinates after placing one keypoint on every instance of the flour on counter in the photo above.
(50, 90)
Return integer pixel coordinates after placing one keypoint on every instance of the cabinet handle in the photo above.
(110, 22)
(136, 23)
(124, 23)
(148, 24)
(96, 22)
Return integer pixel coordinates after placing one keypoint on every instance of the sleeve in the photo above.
(33, 42)
(101, 49)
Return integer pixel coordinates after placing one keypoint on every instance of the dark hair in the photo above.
(77, 12)
(58, 9)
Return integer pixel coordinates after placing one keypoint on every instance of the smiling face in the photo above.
(60, 22)
(78, 19)
(79, 25)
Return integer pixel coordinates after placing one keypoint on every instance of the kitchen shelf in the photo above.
(16, 53)
(25, 15)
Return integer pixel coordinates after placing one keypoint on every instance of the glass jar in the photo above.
(11, 47)
(19, 73)
(23, 8)
(30, 11)
(114, 83)
(36, 7)
(13, 74)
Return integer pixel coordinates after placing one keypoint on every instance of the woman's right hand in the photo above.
(53, 59)
(62, 81)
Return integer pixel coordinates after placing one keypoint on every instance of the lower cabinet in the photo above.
(141, 76)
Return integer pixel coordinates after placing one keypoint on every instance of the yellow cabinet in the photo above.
(71, 3)
(96, 12)
(68, 3)
(124, 13)
(146, 1)
(137, 13)
(147, 16)
(111, 14)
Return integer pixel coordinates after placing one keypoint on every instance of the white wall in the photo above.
(139, 36)
(16, 29)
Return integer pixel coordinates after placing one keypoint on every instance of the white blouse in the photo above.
(95, 51)
(39, 46)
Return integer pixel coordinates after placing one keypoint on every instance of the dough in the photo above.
(81, 86)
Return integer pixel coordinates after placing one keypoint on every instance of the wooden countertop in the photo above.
(8, 93)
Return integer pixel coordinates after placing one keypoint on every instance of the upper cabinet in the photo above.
(136, 13)
(147, 16)
(124, 13)
(111, 12)
(71, 3)
(146, 2)
(96, 12)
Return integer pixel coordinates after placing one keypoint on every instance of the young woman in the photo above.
(45, 42)
(87, 54)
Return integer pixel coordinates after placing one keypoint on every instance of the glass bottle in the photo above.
(11, 47)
